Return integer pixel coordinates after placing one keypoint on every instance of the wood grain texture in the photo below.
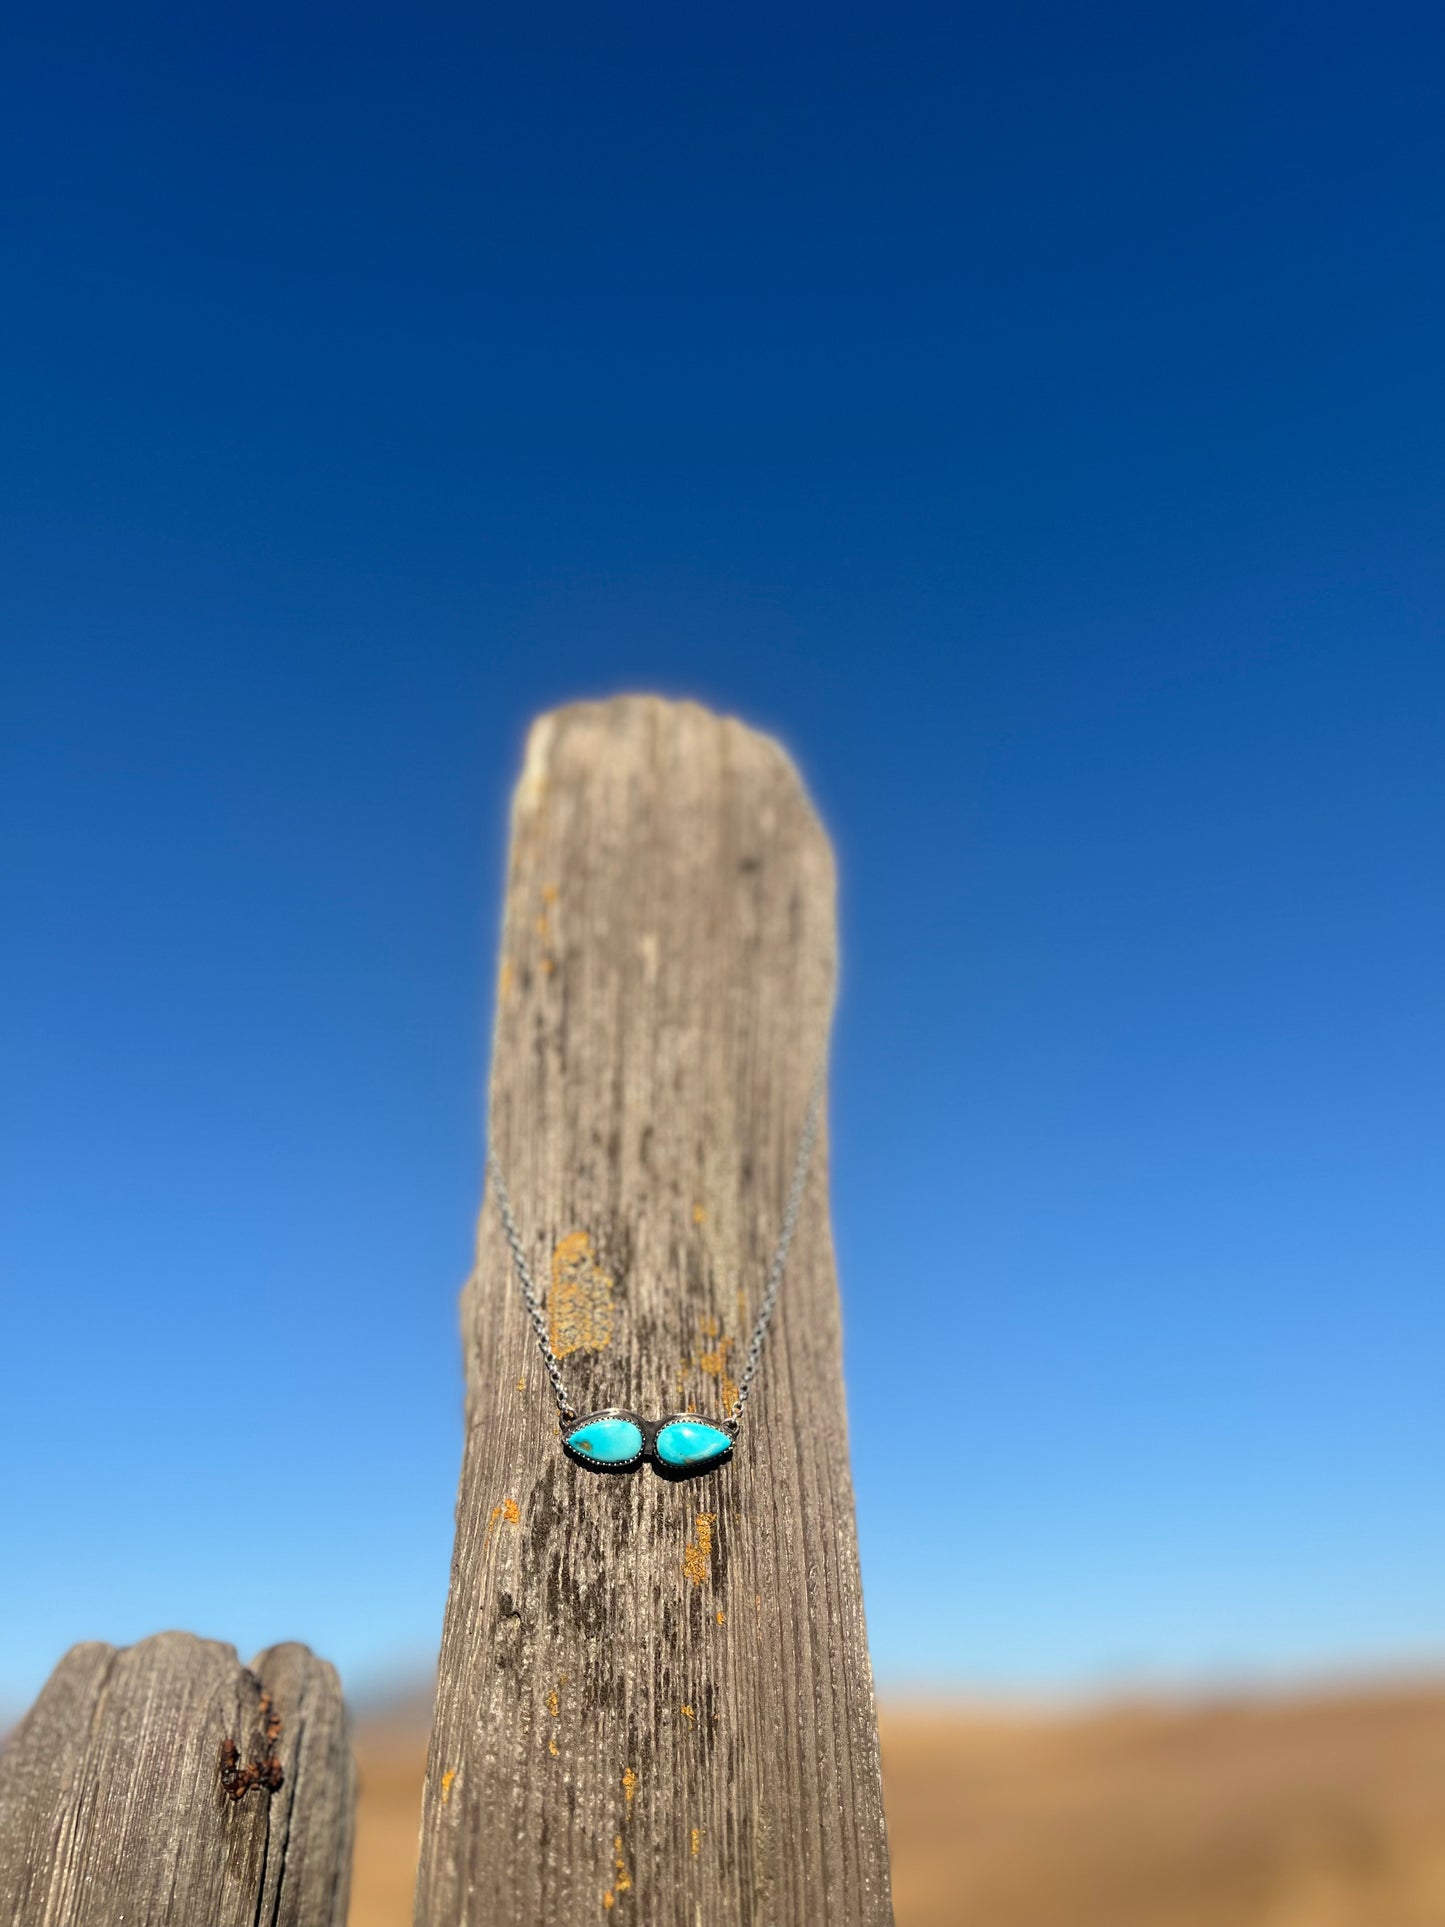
(113, 1798)
(655, 1702)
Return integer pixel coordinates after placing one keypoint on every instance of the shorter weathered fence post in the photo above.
(167, 1783)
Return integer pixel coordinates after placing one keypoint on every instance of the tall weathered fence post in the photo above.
(166, 1784)
(654, 1701)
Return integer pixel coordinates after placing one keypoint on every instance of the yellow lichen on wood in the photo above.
(579, 1305)
(546, 963)
(699, 1214)
(507, 1513)
(697, 1554)
(506, 979)
(553, 1704)
(720, 1615)
(447, 1778)
(552, 1748)
(629, 1786)
(715, 1362)
(622, 1879)
(689, 1714)
(696, 1842)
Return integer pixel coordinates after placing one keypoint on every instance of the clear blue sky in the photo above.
(1036, 415)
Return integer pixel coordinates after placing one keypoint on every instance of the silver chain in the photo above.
(529, 1290)
(776, 1269)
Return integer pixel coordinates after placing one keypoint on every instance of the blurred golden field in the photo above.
(1309, 1811)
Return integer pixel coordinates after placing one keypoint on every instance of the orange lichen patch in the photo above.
(629, 1786)
(609, 1900)
(521, 1381)
(579, 1305)
(543, 928)
(554, 1706)
(696, 1842)
(447, 1778)
(508, 1513)
(506, 980)
(715, 1362)
(697, 1554)
(720, 1615)
(699, 1214)
(689, 1715)
(552, 1748)
(624, 1879)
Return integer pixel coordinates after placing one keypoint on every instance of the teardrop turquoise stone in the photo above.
(686, 1443)
(610, 1441)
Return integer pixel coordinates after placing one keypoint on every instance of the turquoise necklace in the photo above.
(615, 1439)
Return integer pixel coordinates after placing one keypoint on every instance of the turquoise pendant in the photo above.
(606, 1438)
(678, 1444)
(686, 1442)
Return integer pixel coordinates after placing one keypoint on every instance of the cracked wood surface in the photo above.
(167, 1783)
(654, 1701)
